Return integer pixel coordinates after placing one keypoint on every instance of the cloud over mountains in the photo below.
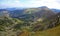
(30, 3)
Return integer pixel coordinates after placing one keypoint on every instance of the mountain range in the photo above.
(28, 21)
(16, 12)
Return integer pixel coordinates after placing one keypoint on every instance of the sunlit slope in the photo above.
(50, 32)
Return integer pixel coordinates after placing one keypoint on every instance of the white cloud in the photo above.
(32, 3)
(58, 1)
(48, 3)
(11, 3)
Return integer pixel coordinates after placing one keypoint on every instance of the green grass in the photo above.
(50, 32)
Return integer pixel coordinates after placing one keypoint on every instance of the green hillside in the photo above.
(33, 22)
(50, 32)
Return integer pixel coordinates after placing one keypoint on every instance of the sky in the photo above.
(30, 3)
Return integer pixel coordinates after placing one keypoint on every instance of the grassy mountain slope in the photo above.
(50, 32)
(33, 22)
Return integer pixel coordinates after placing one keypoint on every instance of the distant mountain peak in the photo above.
(43, 7)
(56, 10)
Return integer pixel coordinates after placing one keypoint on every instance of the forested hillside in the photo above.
(29, 22)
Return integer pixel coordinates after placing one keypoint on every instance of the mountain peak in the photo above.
(43, 7)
